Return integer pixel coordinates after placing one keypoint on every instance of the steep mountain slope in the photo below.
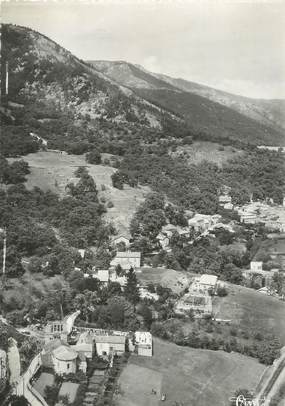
(49, 83)
(269, 112)
(206, 109)
(65, 100)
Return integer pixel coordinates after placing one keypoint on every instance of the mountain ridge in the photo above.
(269, 112)
(53, 84)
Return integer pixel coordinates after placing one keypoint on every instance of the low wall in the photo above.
(24, 387)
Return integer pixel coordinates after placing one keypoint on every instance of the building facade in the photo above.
(143, 343)
(64, 360)
(110, 344)
(127, 260)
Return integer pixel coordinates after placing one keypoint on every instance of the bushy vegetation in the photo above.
(31, 218)
(205, 334)
(16, 141)
(259, 173)
(13, 173)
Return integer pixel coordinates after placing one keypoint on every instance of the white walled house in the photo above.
(102, 275)
(256, 266)
(85, 345)
(143, 343)
(202, 222)
(127, 259)
(207, 281)
(121, 239)
(224, 199)
(64, 360)
(228, 206)
(248, 218)
(107, 275)
(110, 344)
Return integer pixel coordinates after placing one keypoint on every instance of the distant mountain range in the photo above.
(48, 81)
(179, 96)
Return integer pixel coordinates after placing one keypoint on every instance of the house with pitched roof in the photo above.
(110, 345)
(121, 238)
(143, 343)
(85, 344)
(127, 259)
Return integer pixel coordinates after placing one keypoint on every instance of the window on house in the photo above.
(68, 365)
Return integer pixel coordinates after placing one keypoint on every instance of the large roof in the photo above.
(85, 338)
(143, 337)
(116, 237)
(103, 275)
(110, 339)
(64, 353)
(208, 279)
(128, 254)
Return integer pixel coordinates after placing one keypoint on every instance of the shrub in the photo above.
(117, 180)
(93, 157)
(221, 291)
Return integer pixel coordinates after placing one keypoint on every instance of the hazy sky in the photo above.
(234, 46)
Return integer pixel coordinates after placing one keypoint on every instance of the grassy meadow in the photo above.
(253, 310)
(188, 376)
(53, 171)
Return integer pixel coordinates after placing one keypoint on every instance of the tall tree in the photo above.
(132, 290)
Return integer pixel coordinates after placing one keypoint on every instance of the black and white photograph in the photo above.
(142, 203)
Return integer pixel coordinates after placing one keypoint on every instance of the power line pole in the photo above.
(4, 231)
(7, 79)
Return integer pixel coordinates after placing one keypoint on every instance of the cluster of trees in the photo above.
(265, 348)
(42, 225)
(16, 141)
(204, 255)
(13, 173)
(149, 219)
(196, 186)
(93, 157)
(107, 306)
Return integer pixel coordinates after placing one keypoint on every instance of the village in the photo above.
(69, 349)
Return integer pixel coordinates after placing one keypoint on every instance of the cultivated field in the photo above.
(209, 151)
(175, 280)
(193, 377)
(69, 389)
(53, 171)
(253, 310)
(45, 379)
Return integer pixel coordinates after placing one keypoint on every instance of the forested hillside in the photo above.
(215, 113)
(269, 112)
(60, 98)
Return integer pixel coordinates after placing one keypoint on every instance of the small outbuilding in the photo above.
(256, 266)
